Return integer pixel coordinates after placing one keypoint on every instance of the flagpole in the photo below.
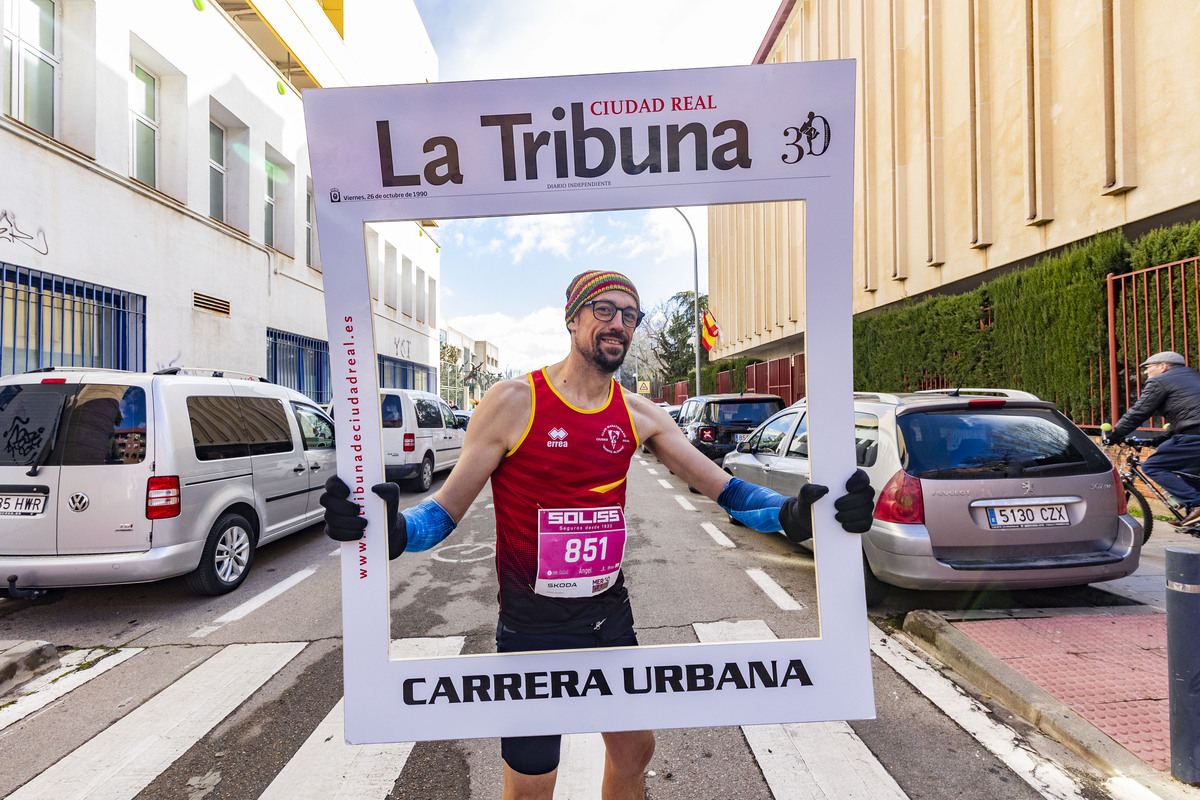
(696, 294)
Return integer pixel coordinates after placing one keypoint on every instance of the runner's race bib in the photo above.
(579, 550)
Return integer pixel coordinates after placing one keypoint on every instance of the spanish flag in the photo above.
(710, 330)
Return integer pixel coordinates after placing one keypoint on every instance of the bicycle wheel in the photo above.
(1144, 507)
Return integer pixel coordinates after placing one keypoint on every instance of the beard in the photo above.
(602, 359)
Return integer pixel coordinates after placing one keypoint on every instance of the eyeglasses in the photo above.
(605, 311)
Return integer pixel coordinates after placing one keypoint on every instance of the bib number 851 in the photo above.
(586, 549)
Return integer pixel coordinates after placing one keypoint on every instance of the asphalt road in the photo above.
(244, 732)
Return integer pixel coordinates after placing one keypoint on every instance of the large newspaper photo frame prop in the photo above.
(547, 145)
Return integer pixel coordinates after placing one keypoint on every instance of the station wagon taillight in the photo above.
(410, 442)
(1122, 499)
(900, 500)
(707, 434)
(162, 497)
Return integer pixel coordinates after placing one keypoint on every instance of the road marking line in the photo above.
(665, 484)
(337, 552)
(651, 471)
(683, 502)
(715, 533)
(328, 768)
(259, 600)
(126, 757)
(44, 690)
(807, 760)
(581, 767)
(774, 590)
(1046, 777)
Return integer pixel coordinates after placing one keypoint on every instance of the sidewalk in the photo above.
(1092, 678)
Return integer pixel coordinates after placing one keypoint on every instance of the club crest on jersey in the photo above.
(613, 439)
(558, 438)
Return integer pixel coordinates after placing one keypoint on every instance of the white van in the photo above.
(113, 477)
(420, 436)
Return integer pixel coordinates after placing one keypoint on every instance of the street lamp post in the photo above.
(696, 294)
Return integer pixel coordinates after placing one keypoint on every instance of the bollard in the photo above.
(1183, 661)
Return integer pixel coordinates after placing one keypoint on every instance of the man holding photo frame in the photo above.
(557, 447)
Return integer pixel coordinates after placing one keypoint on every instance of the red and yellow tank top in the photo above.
(568, 458)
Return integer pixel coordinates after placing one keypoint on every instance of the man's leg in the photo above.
(528, 787)
(626, 756)
(1178, 454)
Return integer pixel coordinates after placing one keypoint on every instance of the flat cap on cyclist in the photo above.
(1165, 357)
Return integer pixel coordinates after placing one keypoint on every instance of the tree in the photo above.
(672, 336)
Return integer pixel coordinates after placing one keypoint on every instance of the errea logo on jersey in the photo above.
(558, 438)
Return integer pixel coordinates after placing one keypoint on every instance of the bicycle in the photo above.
(1131, 469)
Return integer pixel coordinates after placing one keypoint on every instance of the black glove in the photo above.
(397, 525)
(344, 524)
(856, 508)
(795, 515)
(342, 521)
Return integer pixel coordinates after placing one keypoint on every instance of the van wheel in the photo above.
(876, 590)
(424, 478)
(228, 554)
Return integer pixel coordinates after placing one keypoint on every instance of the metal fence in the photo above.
(50, 321)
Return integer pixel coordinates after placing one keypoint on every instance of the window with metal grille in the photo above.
(50, 321)
(300, 363)
(395, 373)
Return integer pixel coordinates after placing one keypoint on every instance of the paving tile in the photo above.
(1111, 670)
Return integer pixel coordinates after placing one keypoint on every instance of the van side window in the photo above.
(266, 425)
(236, 427)
(448, 415)
(217, 428)
(106, 425)
(428, 413)
(315, 428)
(392, 411)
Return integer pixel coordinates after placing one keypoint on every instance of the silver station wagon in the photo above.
(975, 489)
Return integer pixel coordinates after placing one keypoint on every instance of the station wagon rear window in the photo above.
(996, 442)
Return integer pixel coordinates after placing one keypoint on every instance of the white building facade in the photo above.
(155, 201)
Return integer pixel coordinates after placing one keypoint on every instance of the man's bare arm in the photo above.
(664, 437)
(497, 424)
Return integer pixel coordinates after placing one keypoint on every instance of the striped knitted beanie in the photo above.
(593, 283)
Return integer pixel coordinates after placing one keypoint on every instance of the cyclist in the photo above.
(562, 439)
(1172, 390)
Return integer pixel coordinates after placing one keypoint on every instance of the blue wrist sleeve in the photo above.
(755, 507)
(428, 524)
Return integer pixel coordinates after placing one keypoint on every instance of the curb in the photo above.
(1033, 704)
(23, 661)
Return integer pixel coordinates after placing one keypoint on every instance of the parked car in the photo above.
(975, 489)
(421, 436)
(714, 423)
(113, 477)
(462, 416)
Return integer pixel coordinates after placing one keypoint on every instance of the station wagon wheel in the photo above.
(228, 553)
(424, 478)
(1144, 507)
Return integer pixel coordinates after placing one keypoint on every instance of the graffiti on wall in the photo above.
(9, 232)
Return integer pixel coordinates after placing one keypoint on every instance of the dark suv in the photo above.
(715, 423)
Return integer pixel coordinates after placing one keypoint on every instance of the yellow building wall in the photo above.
(988, 132)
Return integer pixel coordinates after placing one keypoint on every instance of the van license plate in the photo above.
(22, 505)
(1028, 516)
(741, 437)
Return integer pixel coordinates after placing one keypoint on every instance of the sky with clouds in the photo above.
(504, 279)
